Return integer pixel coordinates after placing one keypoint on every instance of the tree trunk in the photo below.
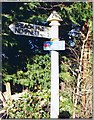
(85, 75)
(78, 81)
(82, 76)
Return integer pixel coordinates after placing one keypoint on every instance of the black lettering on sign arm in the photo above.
(17, 30)
(32, 31)
(20, 25)
(25, 26)
(36, 33)
(42, 28)
(26, 31)
(30, 26)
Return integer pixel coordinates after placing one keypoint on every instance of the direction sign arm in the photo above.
(12, 27)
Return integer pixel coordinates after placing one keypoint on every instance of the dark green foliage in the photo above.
(37, 74)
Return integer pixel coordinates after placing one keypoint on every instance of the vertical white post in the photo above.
(54, 84)
(54, 18)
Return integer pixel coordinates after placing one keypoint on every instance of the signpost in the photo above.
(22, 28)
(54, 18)
(54, 46)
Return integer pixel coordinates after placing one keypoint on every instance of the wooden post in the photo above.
(8, 90)
(54, 18)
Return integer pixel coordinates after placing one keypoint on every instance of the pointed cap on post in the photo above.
(54, 16)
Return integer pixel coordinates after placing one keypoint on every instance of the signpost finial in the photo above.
(54, 16)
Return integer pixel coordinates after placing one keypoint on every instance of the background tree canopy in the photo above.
(26, 64)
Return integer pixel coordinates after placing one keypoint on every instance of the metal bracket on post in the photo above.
(54, 18)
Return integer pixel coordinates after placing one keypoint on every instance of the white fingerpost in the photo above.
(54, 18)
